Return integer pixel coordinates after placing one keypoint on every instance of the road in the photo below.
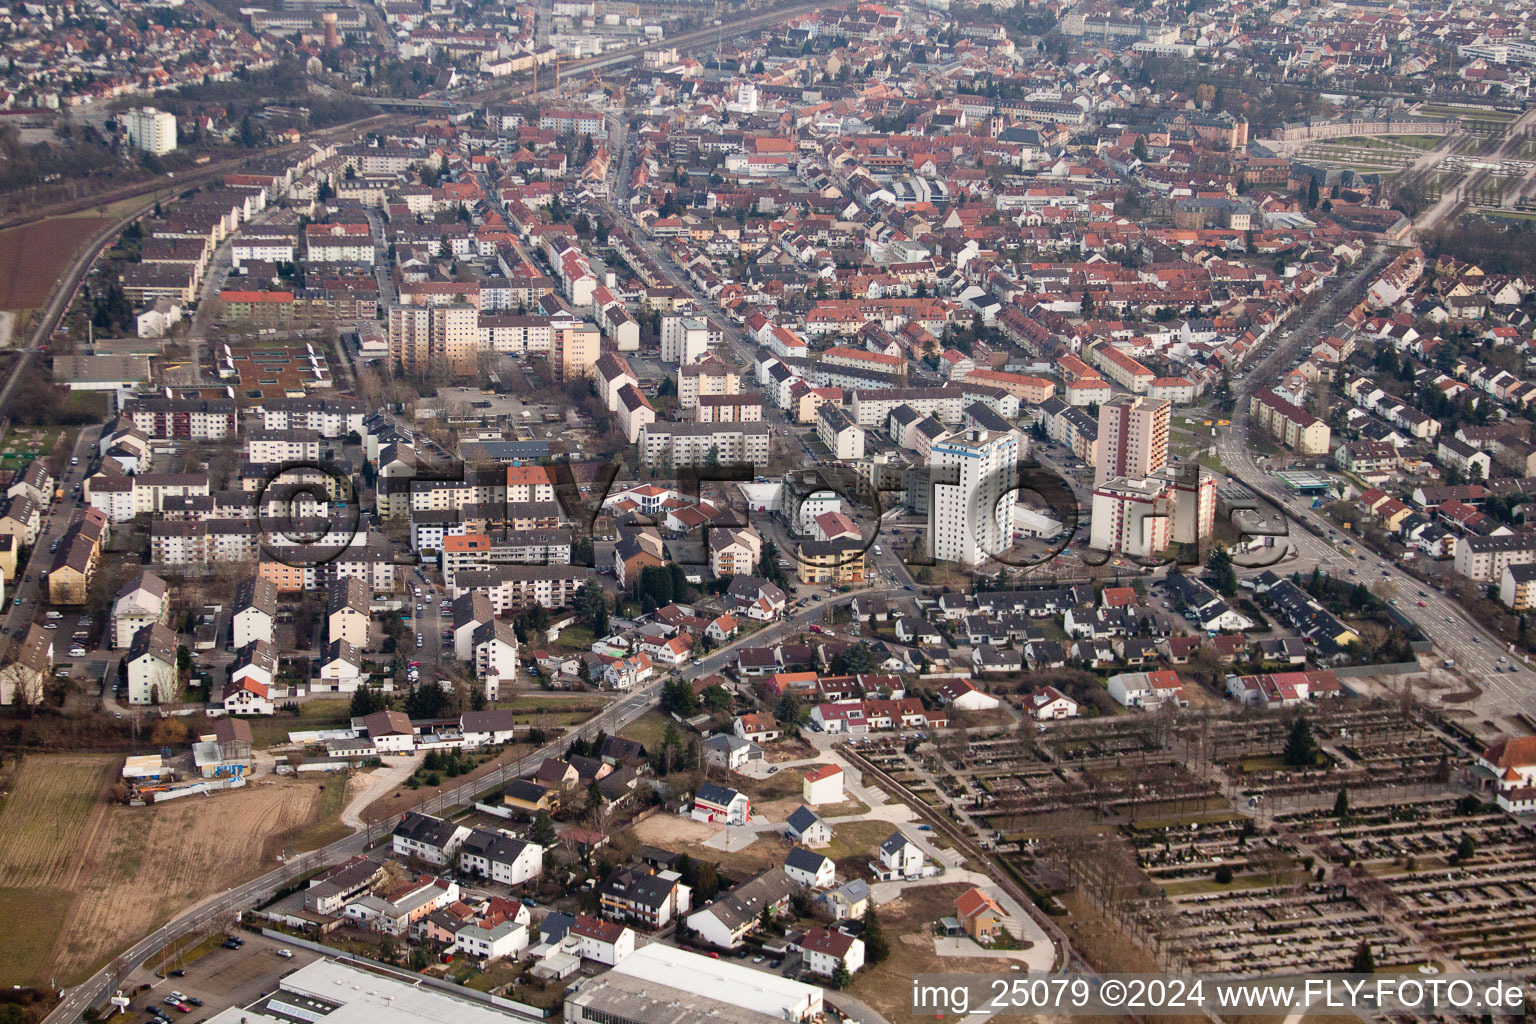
(1479, 655)
(222, 907)
(27, 591)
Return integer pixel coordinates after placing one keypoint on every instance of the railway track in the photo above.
(352, 129)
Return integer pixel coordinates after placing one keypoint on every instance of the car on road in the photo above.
(50, 625)
(1423, 604)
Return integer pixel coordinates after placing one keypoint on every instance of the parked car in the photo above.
(286, 954)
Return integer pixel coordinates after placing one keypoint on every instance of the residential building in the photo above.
(1133, 437)
(825, 950)
(973, 477)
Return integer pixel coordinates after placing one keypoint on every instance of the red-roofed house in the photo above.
(823, 785)
(606, 942)
(1511, 766)
(979, 915)
(962, 695)
(826, 950)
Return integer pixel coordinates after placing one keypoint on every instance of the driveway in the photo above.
(375, 784)
(1041, 954)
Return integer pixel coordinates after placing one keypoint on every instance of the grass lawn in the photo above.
(576, 638)
(539, 704)
(648, 729)
(1191, 886)
(327, 827)
(92, 403)
(856, 838)
(33, 918)
(184, 952)
(500, 973)
(1212, 462)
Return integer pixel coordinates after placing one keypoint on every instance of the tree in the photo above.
(1223, 875)
(1087, 306)
(1313, 193)
(1363, 962)
(1300, 745)
(169, 732)
(426, 701)
(876, 949)
(840, 976)
(678, 698)
(1341, 803)
(1466, 849)
(717, 698)
(592, 605)
(854, 660)
(790, 711)
(655, 585)
(544, 830)
(708, 886)
(365, 701)
(768, 566)
(1223, 576)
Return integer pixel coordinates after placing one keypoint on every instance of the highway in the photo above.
(1479, 656)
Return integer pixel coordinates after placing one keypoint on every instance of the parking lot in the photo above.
(221, 979)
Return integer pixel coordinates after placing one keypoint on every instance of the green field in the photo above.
(33, 918)
(648, 729)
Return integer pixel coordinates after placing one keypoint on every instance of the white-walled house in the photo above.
(500, 857)
(962, 695)
(506, 938)
(899, 859)
(429, 839)
(1049, 704)
(807, 829)
(605, 942)
(823, 785)
(718, 805)
(825, 950)
(810, 869)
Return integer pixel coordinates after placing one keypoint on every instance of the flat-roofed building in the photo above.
(696, 990)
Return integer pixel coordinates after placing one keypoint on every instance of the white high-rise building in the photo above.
(1132, 516)
(746, 99)
(684, 339)
(1133, 437)
(150, 130)
(970, 510)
